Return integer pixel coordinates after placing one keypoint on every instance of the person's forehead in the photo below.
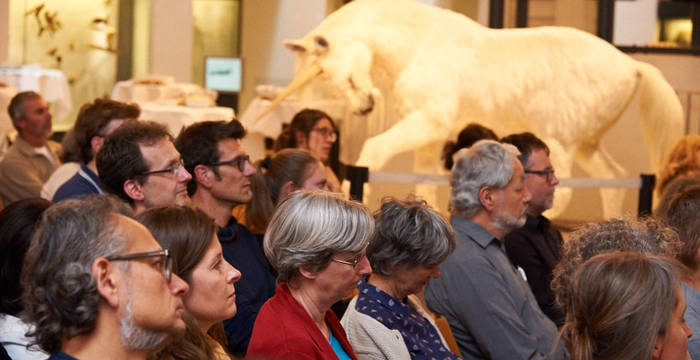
(113, 124)
(538, 159)
(136, 236)
(160, 153)
(34, 102)
(324, 123)
(229, 148)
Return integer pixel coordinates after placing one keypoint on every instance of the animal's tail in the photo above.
(661, 113)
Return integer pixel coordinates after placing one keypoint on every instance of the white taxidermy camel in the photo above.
(439, 70)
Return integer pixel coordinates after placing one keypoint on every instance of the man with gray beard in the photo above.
(98, 285)
(486, 301)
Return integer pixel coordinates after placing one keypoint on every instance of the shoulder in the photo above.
(370, 338)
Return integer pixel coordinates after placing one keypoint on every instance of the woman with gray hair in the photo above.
(409, 243)
(316, 241)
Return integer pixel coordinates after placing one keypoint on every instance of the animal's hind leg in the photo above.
(598, 163)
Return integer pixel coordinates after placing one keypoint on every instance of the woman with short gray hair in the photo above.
(409, 243)
(316, 241)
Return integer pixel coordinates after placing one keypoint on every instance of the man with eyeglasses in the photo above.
(139, 163)
(98, 285)
(489, 306)
(221, 172)
(536, 247)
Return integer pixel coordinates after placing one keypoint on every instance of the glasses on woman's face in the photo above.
(170, 170)
(165, 264)
(352, 262)
(326, 133)
(239, 162)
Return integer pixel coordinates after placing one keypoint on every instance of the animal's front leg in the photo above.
(412, 132)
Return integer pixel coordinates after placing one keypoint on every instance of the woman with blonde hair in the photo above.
(682, 169)
(627, 305)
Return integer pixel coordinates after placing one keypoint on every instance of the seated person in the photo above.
(96, 284)
(316, 241)
(190, 237)
(277, 177)
(626, 305)
(17, 221)
(472, 133)
(315, 131)
(32, 157)
(681, 170)
(409, 243)
(95, 121)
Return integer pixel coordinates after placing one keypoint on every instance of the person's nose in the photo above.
(233, 274)
(178, 287)
(183, 174)
(363, 267)
(527, 196)
(249, 169)
(687, 330)
(555, 180)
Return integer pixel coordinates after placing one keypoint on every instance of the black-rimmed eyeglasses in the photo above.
(547, 173)
(170, 170)
(166, 262)
(239, 162)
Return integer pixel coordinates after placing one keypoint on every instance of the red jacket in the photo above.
(284, 330)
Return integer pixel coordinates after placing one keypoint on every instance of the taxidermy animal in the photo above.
(438, 70)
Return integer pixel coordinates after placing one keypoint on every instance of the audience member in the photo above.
(536, 247)
(682, 169)
(626, 306)
(466, 138)
(18, 222)
(70, 164)
(139, 163)
(315, 131)
(96, 284)
(285, 172)
(682, 215)
(32, 157)
(488, 304)
(95, 121)
(649, 236)
(409, 243)
(316, 241)
(222, 170)
(190, 237)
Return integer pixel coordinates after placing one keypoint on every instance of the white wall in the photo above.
(4, 30)
(634, 22)
(171, 38)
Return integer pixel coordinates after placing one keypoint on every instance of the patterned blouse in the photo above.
(419, 335)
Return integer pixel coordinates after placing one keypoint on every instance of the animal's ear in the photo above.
(295, 45)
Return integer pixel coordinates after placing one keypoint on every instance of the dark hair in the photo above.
(466, 138)
(198, 144)
(18, 222)
(120, 158)
(408, 233)
(303, 122)
(60, 294)
(287, 165)
(187, 233)
(16, 106)
(682, 215)
(526, 143)
(94, 117)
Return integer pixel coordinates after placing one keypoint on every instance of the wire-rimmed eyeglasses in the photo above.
(166, 262)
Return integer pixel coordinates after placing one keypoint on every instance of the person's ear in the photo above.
(488, 197)
(134, 190)
(96, 143)
(107, 281)
(203, 175)
(658, 347)
(287, 189)
(307, 273)
(301, 139)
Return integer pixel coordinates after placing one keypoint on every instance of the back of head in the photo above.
(622, 301)
(486, 163)
(197, 144)
(309, 227)
(525, 142)
(408, 233)
(466, 138)
(18, 222)
(93, 119)
(648, 236)
(185, 231)
(288, 165)
(16, 106)
(60, 294)
(303, 122)
(681, 160)
(682, 215)
(120, 157)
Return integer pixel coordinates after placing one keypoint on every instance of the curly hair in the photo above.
(682, 215)
(682, 160)
(466, 138)
(60, 294)
(622, 302)
(648, 236)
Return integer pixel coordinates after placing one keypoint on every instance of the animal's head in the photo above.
(345, 65)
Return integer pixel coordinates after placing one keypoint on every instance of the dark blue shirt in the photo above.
(85, 182)
(420, 336)
(60, 355)
(242, 249)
